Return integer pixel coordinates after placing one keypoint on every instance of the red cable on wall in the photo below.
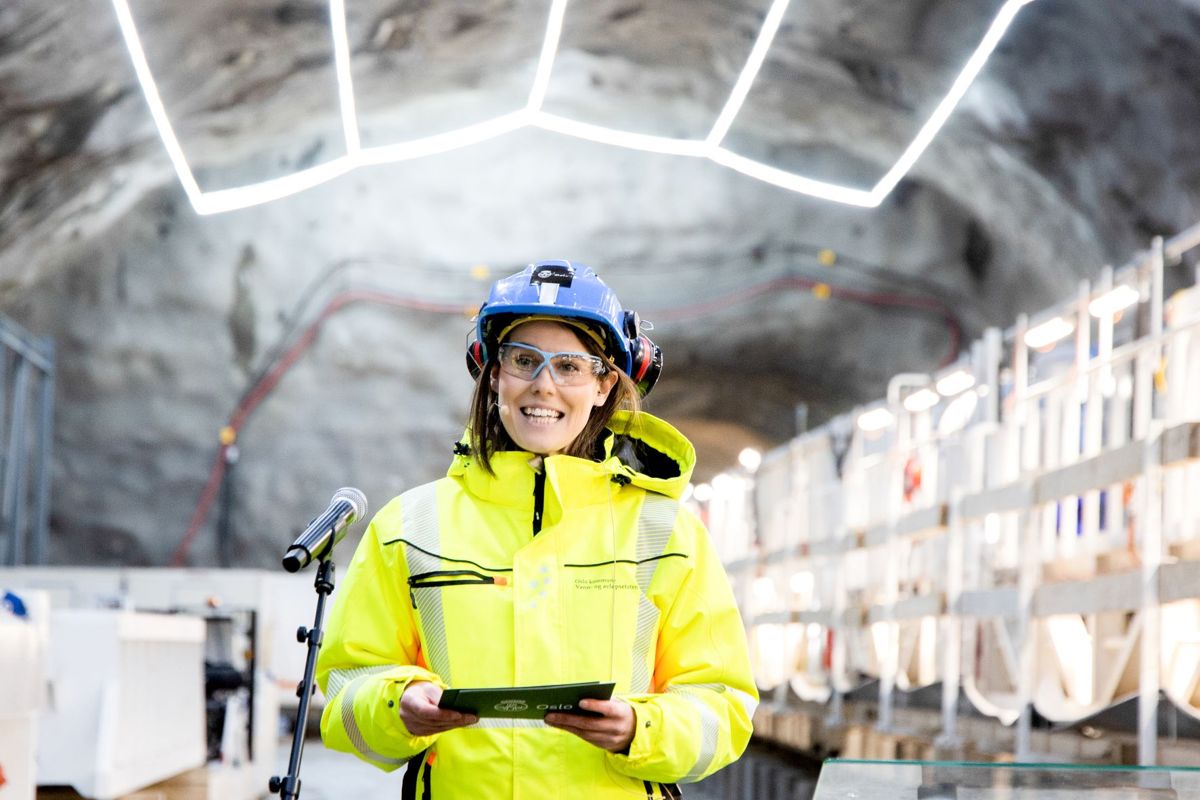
(879, 299)
(267, 383)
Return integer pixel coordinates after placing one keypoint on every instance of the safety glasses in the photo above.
(525, 361)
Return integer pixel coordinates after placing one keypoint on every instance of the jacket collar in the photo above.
(579, 482)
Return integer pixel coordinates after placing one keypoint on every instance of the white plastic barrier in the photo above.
(126, 702)
(280, 602)
(22, 689)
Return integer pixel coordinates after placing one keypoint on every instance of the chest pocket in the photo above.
(452, 577)
(440, 587)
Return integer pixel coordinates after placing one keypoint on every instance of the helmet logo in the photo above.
(558, 274)
(548, 278)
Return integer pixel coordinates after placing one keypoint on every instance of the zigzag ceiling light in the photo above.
(532, 115)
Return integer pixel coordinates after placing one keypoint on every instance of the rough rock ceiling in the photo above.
(1079, 141)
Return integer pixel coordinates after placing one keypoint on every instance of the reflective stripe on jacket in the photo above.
(450, 584)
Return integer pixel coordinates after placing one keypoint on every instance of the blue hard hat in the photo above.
(558, 289)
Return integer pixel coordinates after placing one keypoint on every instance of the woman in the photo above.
(554, 551)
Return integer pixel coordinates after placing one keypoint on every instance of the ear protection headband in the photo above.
(568, 291)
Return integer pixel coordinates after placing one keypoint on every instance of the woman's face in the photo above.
(539, 415)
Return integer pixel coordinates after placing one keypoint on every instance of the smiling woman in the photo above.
(555, 551)
(544, 410)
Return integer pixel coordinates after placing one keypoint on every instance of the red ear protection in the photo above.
(647, 363)
(645, 357)
(475, 358)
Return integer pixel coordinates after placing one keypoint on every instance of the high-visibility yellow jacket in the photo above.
(454, 582)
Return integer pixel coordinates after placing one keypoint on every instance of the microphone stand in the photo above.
(288, 786)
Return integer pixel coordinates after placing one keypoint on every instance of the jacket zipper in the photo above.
(539, 499)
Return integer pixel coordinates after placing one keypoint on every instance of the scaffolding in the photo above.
(26, 420)
(1020, 528)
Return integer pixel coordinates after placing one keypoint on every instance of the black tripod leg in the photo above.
(288, 786)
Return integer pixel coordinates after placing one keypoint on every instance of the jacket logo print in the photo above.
(540, 586)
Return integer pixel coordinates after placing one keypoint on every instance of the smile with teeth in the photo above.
(541, 416)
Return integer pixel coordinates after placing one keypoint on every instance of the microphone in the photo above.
(323, 533)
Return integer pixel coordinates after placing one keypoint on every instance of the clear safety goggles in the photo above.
(525, 361)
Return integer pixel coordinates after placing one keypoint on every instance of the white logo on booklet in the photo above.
(512, 705)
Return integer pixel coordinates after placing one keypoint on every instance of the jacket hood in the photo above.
(640, 449)
(651, 453)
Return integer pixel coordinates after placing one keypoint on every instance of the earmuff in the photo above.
(475, 356)
(645, 357)
(646, 365)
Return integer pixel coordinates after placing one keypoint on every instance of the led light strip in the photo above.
(793, 182)
(444, 142)
(157, 111)
(532, 115)
(754, 63)
(633, 141)
(933, 125)
(541, 79)
(345, 79)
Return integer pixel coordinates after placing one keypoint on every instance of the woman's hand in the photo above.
(612, 732)
(420, 713)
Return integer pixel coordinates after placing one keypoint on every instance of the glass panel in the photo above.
(932, 780)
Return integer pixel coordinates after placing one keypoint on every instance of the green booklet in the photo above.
(526, 702)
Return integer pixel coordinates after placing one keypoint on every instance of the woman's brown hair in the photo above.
(487, 434)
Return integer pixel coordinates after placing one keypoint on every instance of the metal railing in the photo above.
(27, 374)
(981, 527)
